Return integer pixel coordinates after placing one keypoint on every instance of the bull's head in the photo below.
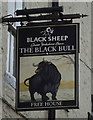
(40, 66)
(36, 65)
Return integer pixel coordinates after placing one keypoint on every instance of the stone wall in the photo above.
(0, 63)
(85, 58)
(8, 97)
(92, 46)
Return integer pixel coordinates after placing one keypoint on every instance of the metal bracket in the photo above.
(12, 30)
(54, 14)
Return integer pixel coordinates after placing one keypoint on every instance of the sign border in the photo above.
(19, 106)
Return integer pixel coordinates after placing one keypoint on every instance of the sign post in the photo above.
(47, 67)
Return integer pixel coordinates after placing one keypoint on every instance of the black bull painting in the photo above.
(45, 80)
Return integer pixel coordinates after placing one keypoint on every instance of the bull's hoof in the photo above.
(45, 98)
(54, 98)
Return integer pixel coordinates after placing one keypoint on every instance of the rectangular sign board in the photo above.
(47, 67)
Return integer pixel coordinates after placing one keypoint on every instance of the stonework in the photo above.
(7, 92)
(92, 46)
(0, 63)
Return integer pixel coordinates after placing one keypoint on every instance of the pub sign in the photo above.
(47, 67)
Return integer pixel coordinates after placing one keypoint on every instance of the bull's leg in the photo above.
(32, 97)
(54, 96)
(54, 92)
(44, 97)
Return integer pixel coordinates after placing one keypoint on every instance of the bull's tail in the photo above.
(26, 81)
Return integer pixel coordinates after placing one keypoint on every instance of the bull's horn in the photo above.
(45, 60)
(35, 65)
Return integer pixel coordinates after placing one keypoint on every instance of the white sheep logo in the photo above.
(47, 32)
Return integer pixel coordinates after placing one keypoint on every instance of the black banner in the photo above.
(47, 39)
